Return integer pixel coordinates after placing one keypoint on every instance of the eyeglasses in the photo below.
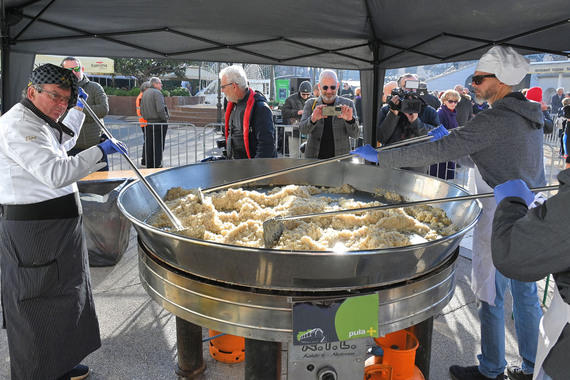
(325, 88)
(478, 79)
(305, 94)
(76, 68)
(55, 96)
(226, 85)
(452, 101)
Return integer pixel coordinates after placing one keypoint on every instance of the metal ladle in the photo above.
(273, 228)
(175, 221)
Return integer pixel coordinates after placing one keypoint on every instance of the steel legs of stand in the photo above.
(189, 345)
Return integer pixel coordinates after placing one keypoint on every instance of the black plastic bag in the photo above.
(106, 229)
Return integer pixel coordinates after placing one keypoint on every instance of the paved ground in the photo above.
(139, 337)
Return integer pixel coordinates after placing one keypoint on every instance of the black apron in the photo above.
(46, 289)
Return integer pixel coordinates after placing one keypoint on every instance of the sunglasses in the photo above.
(76, 68)
(478, 79)
(452, 101)
(226, 85)
(325, 88)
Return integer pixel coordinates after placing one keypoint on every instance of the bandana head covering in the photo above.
(534, 93)
(508, 66)
(52, 74)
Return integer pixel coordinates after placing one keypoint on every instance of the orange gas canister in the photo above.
(227, 348)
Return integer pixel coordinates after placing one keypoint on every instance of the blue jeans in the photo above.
(527, 314)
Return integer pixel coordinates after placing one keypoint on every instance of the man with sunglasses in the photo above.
(46, 292)
(505, 143)
(328, 136)
(97, 99)
(395, 125)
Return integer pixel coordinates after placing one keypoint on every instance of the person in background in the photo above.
(395, 125)
(464, 107)
(91, 133)
(293, 107)
(328, 136)
(387, 90)
(46, 286)
(249, 128)
(447, 117)
(431, 99)
(154, 110)
(530, 244)
(292, 111)
(504, 142)
(142, 120)
(347, 91)
(564, 116)
(535, 94)
(316, 91)
(358, 104)
(556, 101)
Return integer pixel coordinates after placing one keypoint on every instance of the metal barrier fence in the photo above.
(185, 143)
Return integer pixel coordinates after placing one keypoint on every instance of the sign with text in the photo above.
(335, 320)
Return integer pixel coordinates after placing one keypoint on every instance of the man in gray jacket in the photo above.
(91, 133)
(154, 110)
(328, 134)
(504, 142)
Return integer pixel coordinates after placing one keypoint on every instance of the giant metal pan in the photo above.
(298, 270)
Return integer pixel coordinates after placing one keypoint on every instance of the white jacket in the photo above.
(34, 165)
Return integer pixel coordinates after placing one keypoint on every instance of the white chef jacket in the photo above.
(34, 165)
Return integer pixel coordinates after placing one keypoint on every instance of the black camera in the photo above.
(410, 101)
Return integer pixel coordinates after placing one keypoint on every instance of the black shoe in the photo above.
(470, 373)
(79, 372)
(516, 373)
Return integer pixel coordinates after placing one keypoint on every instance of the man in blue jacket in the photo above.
(249, 128)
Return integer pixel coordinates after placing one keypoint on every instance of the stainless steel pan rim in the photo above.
(298, 270)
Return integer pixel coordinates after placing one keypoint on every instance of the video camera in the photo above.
(409, 97)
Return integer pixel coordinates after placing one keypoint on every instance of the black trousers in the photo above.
(154, 138)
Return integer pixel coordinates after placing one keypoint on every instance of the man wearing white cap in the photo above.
(504, 142)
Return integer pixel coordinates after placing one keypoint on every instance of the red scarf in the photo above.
(246, 120)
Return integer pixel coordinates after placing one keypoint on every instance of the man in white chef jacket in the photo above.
(46, 291)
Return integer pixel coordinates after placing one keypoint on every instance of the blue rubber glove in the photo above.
(82, 97)
(513, 188)
(111, 146)
(366, 152)
(438, 133)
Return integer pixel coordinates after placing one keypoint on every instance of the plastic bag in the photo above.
(107, 230)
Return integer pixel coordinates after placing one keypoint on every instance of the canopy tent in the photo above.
(366, 35)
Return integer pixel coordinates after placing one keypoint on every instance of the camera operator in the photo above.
(396, 124)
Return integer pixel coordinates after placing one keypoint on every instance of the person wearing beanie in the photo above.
(535, 94)
(504, 142)
(46, 291)
(292, 111)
